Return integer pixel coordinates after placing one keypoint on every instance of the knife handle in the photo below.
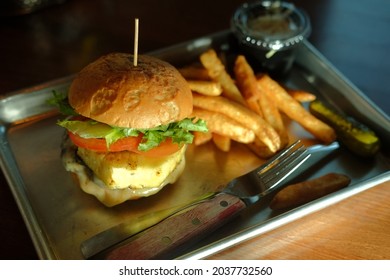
(184, 228)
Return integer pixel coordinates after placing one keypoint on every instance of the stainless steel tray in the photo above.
(59, 216)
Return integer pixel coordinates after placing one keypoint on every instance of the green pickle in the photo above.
(356, 136)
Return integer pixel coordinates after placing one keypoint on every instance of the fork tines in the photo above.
(282, 165)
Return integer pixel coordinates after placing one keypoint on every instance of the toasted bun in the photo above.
(114, 91)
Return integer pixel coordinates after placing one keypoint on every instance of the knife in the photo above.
(168, 230)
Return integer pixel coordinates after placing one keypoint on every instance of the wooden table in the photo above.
(353, 35)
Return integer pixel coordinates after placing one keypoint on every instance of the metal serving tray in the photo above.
(59, 216)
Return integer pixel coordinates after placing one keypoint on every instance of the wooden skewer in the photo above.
(135, 60)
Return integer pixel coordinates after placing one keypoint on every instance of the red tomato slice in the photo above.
(124, 144)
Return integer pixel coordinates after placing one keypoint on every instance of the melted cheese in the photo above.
(129, 170)
(91, 184)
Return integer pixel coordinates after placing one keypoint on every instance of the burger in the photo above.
(127, 126)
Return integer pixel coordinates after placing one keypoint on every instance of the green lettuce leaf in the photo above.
(180, 132)
(60, 100)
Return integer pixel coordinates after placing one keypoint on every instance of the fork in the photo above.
(200, 219)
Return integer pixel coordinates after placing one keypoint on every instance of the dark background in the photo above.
(60, 39)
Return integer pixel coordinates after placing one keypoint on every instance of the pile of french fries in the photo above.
(248, 107)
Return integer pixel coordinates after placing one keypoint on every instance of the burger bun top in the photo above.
(114, 91)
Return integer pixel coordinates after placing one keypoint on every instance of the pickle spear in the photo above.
(357, 137)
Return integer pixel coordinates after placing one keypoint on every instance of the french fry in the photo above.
(223, 125)
(253, 104)
(193, 72)
(209, 88)
(301, 95)
(260, 149)
(257, 99)
(222, 142)
(241, 114)
(246, 82)
(298, 94)
(295, 111)
(245, 77)
(201, 138)
(218, 73)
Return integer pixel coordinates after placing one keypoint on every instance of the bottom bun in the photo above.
(90, 184)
